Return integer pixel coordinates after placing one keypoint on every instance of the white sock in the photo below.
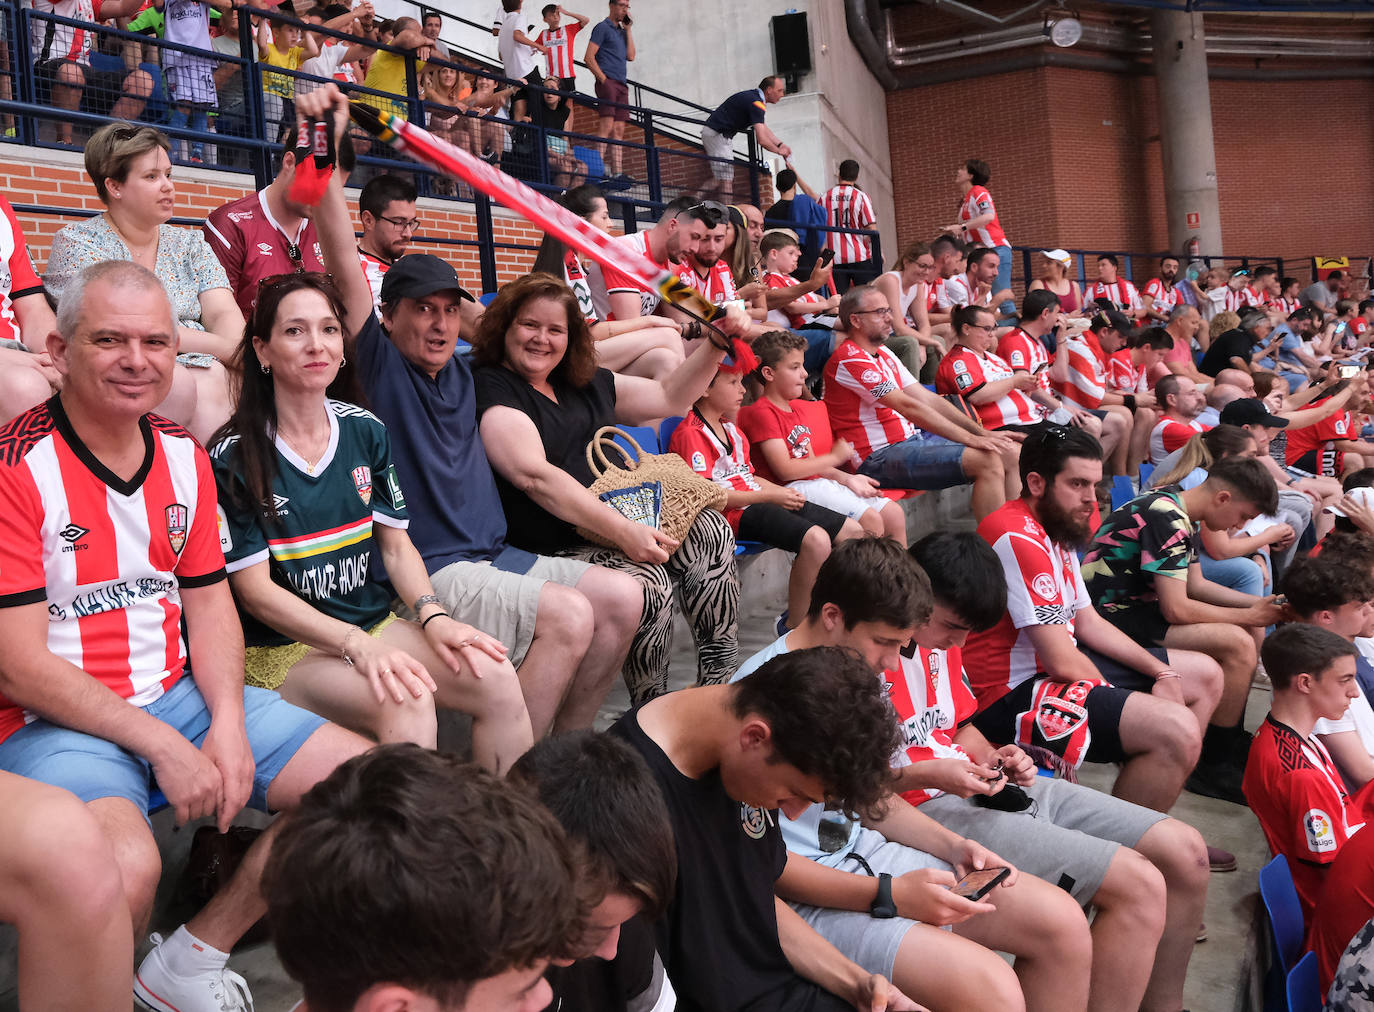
(186, 955)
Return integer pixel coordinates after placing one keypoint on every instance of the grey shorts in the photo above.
(503, 605)
(721, 150)
(1069, 841)
(870, 941)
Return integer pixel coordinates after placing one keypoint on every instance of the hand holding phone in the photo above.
(827, 256)
(977, 884)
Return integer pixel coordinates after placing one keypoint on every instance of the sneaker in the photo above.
(158, 988)
(1261, 679)
(1217, 780)
(1201, 934)
(1220, 860)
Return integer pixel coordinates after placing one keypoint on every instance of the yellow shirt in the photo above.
(280, 84)
(387, 72)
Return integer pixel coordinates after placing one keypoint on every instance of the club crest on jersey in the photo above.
(362, 481)
(176, 526)
(871, 376)
(1043, 584)
(752, 821)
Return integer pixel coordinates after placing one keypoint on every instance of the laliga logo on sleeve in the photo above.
(753, 821)
(1321, 835)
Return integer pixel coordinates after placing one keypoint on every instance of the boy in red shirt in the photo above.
(1291, 783)
(793, 444)
(757, 509)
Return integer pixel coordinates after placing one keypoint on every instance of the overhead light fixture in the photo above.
(1063, 28)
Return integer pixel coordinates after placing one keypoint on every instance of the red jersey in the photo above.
(804, 429)
(617, 282)
(1021, 351)
(560, 61)
(1287, 306)
(847, 206)
(1044, 587)
(1120, 293)
(106, 556)
(935, 294)
(1124, 376)
(1313, 447)
(18, 278)
(976, 203)
(1165, 297)
(725, 463)
(931, 695)
(1087, 380)
(1301, 802)
(855, 382)
(252, 246)
(776, 279)
(718, 287)
(964, 371)
(1169, 434)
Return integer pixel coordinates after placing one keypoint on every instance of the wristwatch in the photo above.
(883, 907)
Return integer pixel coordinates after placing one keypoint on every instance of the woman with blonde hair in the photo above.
(130, 167)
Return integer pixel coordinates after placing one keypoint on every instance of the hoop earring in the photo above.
(343, 361)
(266, 369)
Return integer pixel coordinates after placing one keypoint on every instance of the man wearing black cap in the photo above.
(1242, 347)
(567, 625)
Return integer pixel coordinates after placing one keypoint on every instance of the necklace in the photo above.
(147, 253)
(311, 459)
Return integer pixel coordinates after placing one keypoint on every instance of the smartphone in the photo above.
(827, 256)
(1041, 368)
(977, 884)
(1347, 371)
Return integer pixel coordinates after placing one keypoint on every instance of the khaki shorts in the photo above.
(503, 605)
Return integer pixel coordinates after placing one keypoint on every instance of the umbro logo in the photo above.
(72, 534)
(264, 248)
(278, 506)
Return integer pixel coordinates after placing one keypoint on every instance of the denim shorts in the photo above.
(93, 768)
(923, 461)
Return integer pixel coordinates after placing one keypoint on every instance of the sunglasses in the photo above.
(711, 212)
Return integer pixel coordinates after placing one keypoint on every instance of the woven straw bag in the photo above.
(656, 489)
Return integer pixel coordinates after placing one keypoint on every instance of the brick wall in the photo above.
(1076, 161)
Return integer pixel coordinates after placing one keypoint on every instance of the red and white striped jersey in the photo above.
(1044, 587)
(374, 270)
(960, 291)
(847, 206)
(1238, 299)
(617, 282)
(933, 291)
(1124, 376)
(17, 276)
(976, 203)
(1287, 306)
(560, 62)
(964, 371)
(106, 556)
(1021, 351)
(932, 697)
(1120, 293)
(49, 40)
(1169, 434)
(725, 463)
(1165, 297)
(776, 279)
(854, 382)
(718, 287)
(1087, 372)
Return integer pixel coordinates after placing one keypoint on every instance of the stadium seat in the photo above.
(1146, 470)
(1122, 493)
(591, 158)
(487, 298)
(1303, 989)
(644, 435)
(1285, 912)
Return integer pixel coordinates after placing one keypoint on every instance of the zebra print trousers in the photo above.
(707, 582)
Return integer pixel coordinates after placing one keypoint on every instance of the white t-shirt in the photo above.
(517, 58)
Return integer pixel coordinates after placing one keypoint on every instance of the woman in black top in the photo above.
(540, 398)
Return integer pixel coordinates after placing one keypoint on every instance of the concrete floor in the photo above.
(1220, 974)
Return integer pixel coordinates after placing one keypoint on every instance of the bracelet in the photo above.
(1166, 673)
(423, 600)
(343, 645)
(437, 614)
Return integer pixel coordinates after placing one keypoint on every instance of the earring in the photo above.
(266, 369)
(343, 361)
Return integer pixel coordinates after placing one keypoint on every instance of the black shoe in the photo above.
(1217, 780)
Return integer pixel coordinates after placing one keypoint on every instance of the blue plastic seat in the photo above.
(1303, 988)
(1122, 493)
(487, 298)
(591, 158)
(1281, 903)
(645, 436)
(1146, 470)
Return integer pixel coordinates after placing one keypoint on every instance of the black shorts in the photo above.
(530, 97)
(1144, 624)
(1104, 705)
(1027, 429)
(783, 528)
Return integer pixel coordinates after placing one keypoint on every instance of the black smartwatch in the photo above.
(883, 907)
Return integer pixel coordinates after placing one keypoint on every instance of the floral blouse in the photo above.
(186, 265)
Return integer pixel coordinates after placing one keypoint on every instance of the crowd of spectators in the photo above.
(381, 526)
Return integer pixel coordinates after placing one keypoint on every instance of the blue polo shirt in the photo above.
(738, 112)
(450, 494)
(612, 50)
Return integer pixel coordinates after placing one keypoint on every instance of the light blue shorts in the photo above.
(93, 768)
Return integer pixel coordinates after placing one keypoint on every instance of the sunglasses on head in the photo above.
(711, 212)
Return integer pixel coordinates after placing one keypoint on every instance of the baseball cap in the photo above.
(1251, 411)
(419, 274)
(1364, 496)
(1111, 319)
(1057, 254)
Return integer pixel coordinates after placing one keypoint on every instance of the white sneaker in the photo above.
(158, 988)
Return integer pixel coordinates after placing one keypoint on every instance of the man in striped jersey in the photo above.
(847, 206)
(113, 543)
(557, 39)
(1116, 290)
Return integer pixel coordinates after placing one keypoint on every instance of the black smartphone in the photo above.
(827, 256)
(977, 884)
(1010, 798)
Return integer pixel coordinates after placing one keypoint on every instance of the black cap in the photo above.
(419, 274)
(1251, 411)
(1111, 319)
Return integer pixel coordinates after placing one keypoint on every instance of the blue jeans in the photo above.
(817, 354)
(922, 461)
(1242, 574)
(1007, 308)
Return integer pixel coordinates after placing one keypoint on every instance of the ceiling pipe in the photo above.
(859, 26)
(963, 10)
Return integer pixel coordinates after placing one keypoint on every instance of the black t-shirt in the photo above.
(779, 210)
(602, 985)
(1232, 344)
(719, 939)
(565, 426)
